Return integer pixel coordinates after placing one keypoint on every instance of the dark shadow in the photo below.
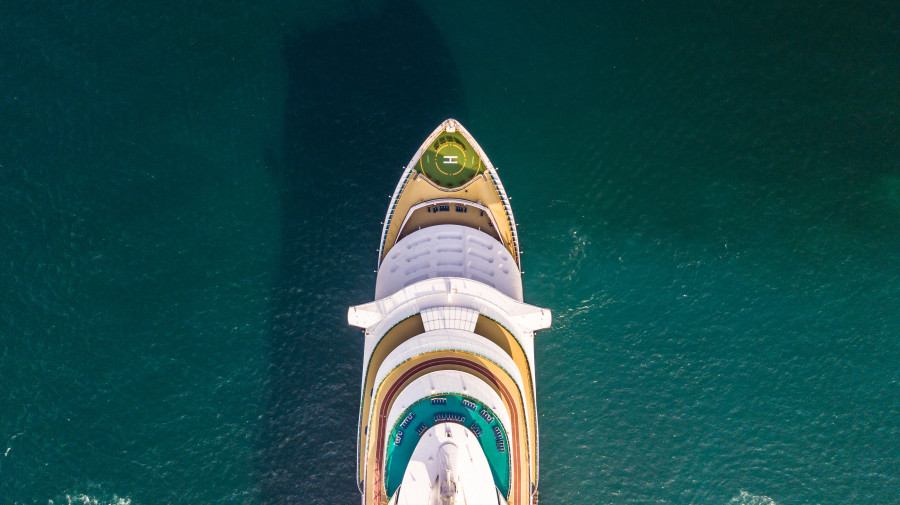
(362, 95)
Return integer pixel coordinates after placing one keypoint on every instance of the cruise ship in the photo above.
(447, 410)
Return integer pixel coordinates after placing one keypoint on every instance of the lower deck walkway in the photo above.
(461, 213)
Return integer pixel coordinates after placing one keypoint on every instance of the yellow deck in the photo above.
(481, 191)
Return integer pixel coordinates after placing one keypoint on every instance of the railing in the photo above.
(401, 184)
(509, 215)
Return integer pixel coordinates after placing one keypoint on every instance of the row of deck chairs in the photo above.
(446, 208)
(449, 416)
(498, 437)
(408, 420)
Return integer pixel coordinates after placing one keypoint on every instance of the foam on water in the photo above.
(85, 499)
(746, 498)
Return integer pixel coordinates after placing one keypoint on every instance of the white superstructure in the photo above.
(447, 410)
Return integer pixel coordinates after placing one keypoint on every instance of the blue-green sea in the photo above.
(708, 195)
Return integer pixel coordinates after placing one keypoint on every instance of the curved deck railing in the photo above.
(509, 215)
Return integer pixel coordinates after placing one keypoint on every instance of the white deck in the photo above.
(448, 446)
(378, 317)
(449, 250)
(456, 340)
(449, 318)
(447, 381)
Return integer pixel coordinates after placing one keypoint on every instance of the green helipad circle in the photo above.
(450, 159)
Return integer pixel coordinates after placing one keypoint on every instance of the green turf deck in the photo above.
(450, 161)
(423, 412)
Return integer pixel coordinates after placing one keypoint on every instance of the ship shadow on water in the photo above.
(362, 94)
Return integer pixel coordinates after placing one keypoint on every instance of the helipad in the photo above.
(450, 161)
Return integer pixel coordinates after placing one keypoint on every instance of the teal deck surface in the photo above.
(433, 410)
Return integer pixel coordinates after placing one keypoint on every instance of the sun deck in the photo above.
(525, 444)
(521, 450)
(471, 413)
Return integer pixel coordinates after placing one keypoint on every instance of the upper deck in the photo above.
(451, 171)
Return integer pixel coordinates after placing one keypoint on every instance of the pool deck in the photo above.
(520, 449)
(371, 422)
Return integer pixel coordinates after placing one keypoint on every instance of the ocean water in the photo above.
(708, 197)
